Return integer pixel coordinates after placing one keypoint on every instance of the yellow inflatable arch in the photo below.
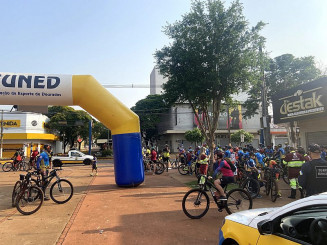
(86, 92)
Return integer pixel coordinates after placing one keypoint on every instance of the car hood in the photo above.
(245, 217)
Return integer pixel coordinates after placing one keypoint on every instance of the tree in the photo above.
(99, 131)
(281, 73)
(212, 55)
(194, 135)
(150, 112)
(68, 123)
(236, 137)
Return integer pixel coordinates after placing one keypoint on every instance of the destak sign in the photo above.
(35, 89)
(303, 102)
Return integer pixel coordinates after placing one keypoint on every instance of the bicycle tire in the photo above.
(69, 190)
(285, 178)
(187, 199)
(238, 200)
(22, 166)
(7, 167)
(183, 169)
(252, 186)
(268, 186)
(15, 193)
(274, 193)
(160, 168)
(23, 200)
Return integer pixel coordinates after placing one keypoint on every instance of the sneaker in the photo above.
(96, 174)
(46, 198)
(259, 196)
(222, 198)
(91, 174)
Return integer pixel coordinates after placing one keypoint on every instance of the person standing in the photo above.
(313, 174)
(43, 164)
(94, 165)
(294, 162)
(166, 156)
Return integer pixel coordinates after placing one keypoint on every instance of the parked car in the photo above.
(300, 222)
(73, 156)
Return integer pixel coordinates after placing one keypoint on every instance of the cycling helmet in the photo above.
(314, 148)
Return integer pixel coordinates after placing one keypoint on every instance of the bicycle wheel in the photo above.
(30, 201)
(22, 166)
(252, 186)
(61, 191)
(285, 177)
(268, 186)
(195, 203)
(7, 167)
(160, 168)
(274, 193)
(183, 169)
(15, 193)
(238, 200)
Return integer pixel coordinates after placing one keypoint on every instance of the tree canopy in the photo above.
(213, 54)
(68, 123)
(281, 73)
(150, 112)
(194, 136)
(236, 137)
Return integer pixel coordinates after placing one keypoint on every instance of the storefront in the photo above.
(24, 130)
(304, 108)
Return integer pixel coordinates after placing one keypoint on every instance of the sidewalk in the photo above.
(149, 214)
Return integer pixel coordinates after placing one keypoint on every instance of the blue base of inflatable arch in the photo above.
(128, 159)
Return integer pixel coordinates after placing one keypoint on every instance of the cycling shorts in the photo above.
(226, 180)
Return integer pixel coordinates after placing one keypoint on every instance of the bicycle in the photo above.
(61, 191)
(184, 169)
(10, 166)
(149, 166)
(27, 198)
(250, 184)
(196, 202)
(271, 177)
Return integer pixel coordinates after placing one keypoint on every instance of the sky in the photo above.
(114, 41)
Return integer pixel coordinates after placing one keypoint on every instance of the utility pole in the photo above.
(265, 115)
(90, 136)
(1, 136)
(228, 126)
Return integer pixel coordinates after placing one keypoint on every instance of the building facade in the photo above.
(181, 119)
(304, 108)
(25, 130)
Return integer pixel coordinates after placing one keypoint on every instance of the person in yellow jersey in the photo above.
(166, 156)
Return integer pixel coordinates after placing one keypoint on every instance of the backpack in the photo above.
(231, 165)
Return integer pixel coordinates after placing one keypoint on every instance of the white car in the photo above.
(300, 222)
(72, 157)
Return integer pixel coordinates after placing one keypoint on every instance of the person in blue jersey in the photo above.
(323, 153)
(43, 164)
(228, 152)
(269, 152)
(259, 157)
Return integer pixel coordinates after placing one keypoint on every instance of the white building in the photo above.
(25, 130)
(181, 119)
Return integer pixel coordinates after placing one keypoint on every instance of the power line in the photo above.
(132, 85)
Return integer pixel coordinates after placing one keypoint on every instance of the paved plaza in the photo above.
(102, 213)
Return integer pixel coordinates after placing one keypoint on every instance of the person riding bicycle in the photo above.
(43, 163)
(34, 155)
(17, 158)
(228, 176)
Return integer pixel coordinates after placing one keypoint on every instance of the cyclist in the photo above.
(189, 158)
(17, 158)
(34, 155)
(153, 159)
(43, 164)
(228, 176)
(251, 166)
(166, 156)
(203, 160)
